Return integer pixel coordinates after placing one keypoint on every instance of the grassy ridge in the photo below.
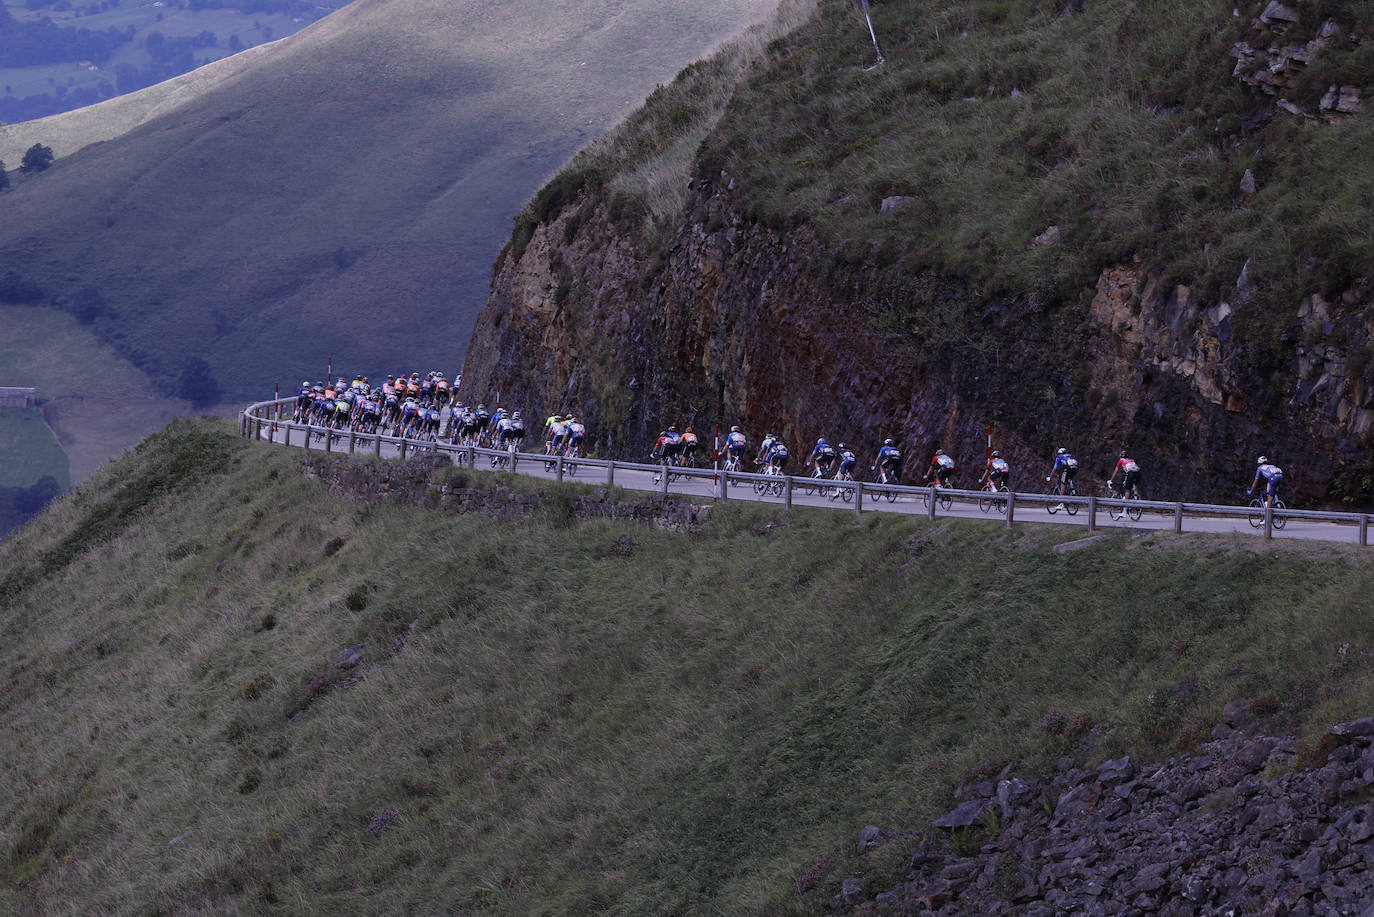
(570, 728)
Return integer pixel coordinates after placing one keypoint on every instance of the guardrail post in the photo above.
(404, 443)
(286, 433)
(930, 510)
(858, 498)
(1011, 507)
(787, 494)
(352, 436)
(722, 486)
(1268, 521)
(377, 444)
(610, 473)
(560, 468)
(258, 433)
(1178, 517)
(1092, 513)
(1364, 529)
(663, 479)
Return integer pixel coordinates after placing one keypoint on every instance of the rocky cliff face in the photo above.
(749, 324)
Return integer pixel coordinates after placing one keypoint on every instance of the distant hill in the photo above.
(345, 195)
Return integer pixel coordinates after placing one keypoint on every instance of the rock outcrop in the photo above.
(1244, 825)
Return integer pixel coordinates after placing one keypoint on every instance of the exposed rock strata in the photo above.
(744, 323)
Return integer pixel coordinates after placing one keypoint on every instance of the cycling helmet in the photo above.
(937, 451)
(1122, 454)
(843, 446)
(734, 429)
(515, 416)
(672, 429)
(821, 441)
(996, 454)
(689, 430)
(889, 442)
(1262, 460)
(305, 384)
(1063, 451)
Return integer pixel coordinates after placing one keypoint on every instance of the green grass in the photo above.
(29, 450)
(371, 161)
(687, 729)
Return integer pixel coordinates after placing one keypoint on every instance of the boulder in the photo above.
(1247, 183)
(966, 814)
(350, 657)
(1051, 236)
(1276, 12)
(896, 204)
(1354, 728)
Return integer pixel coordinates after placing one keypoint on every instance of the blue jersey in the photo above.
(1064, 460)
(1270, 472)
(889, 454)
(826, 452)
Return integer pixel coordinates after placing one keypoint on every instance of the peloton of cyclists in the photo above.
(941, 467)
(1272, 475)
(997, 473)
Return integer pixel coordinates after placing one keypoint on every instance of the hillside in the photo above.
(348, 189)
(231, 684)
(1103, 226)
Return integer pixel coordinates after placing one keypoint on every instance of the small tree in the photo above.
(37, 158)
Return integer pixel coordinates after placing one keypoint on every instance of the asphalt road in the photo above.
(964, 505)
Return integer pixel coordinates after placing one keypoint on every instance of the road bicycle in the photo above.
(505, 460)
(763, 488)
(667, 463)
(1070, 491)
(844, 493)
(990, 499)
(1130, 508)
(1257, 513)
(812, 484)
(942, 500)
(886, 477)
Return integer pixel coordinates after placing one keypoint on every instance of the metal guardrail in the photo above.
(267, 414)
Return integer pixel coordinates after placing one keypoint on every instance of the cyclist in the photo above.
(764, 448)
(689, 446)
(847, 460)
(557, 433)
(777, 455)
(889, 459)
(997, 473)
(1065, 468)
(672, 447)
(941, 467)
(483, 420)
(1273, 477)
(824, 456)
(1130, 476)
(576, 433)
(735, 444)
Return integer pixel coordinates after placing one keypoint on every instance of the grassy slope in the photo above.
(362, 170)
(29, 450)
(97, 403)
(1122, 126)
(685, 730)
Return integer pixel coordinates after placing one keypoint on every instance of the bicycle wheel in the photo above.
(775, 488)
(986, 501)
(1072, 507)
(1279, 521)
(570, 468)
(760, 487)
(999, 501)
(1132, 510)
(1052, 508)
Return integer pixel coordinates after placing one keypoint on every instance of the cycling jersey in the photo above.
(1127, 466)
(847, 460)
(1270, 472)
(736, 443)
(1065, 463)
(777, 455)
(576, 432)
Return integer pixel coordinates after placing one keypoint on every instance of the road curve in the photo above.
(1346, 528)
